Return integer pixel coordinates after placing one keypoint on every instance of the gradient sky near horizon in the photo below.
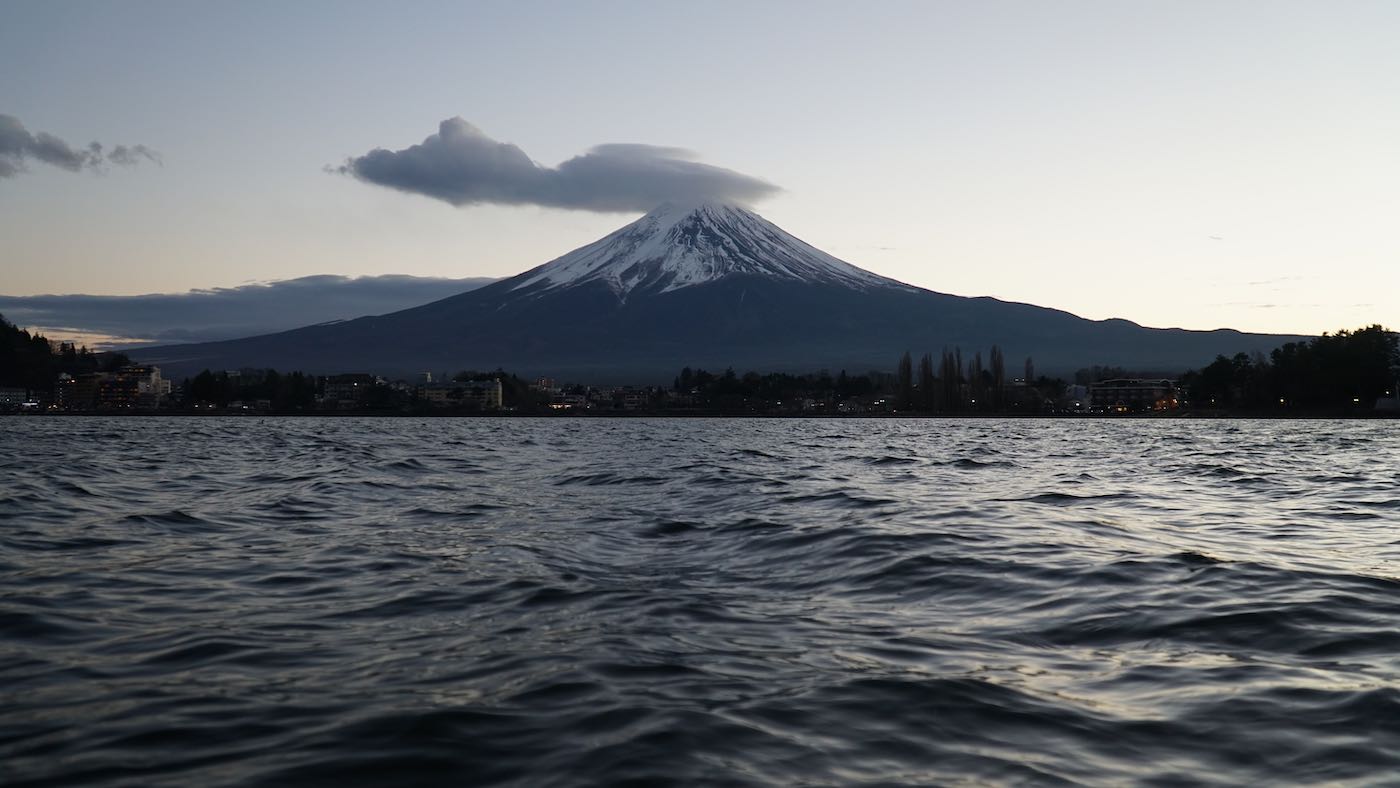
(1194, 164)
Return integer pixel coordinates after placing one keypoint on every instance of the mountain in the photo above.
(711, 286)
(674, 247)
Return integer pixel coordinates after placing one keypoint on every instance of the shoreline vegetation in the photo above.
(1350, 374)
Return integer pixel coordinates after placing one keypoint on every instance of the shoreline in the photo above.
(1173, 415)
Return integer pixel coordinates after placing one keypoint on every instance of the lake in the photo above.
(552, 602)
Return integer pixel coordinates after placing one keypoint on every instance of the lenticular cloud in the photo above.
(461, 165)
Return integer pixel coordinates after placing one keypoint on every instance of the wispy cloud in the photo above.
(461, 165)
(225, 313)
(1265, 305)
(1278, 280)
(19, 146)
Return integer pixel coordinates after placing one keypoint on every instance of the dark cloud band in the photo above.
(462, 166)
(231, 312)
(17, 145)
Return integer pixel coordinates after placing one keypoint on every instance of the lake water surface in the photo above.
(552, 602)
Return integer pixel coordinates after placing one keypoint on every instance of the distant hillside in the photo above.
(710, 286)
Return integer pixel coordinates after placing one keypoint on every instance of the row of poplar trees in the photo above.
(952, 387)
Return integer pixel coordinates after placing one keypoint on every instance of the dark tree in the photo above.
(950, 374)
(1339, 372)
(998, 362)
(927, 384)
(111, 362)
(906, 382)
(976, 378)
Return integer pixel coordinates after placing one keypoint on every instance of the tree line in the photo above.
(289, 392)
(951, 385)
(32, 362)
(1332, 372)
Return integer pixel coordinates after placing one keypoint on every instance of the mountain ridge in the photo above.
(678, 245)
(708, 285)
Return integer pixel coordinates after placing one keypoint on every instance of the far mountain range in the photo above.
(708, 285)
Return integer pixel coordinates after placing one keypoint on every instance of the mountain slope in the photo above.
(678, 246)
(707, 285)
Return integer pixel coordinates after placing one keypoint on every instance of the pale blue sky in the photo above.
(1201, 164)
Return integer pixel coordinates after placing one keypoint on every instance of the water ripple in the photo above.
(718, 602)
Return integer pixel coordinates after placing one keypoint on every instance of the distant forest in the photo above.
(1327, 372)
(31, 361)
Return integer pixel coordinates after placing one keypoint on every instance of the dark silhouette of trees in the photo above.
(950, 374)
(1348, 370)
(906, 382)
(111, 362)
(778, 392)
(958, 375)
(977, 382)
(29, 361)
(928, 387)
(848, 386)
(292, 392)
(998, 371)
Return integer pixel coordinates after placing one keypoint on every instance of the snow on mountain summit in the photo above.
(677, 246)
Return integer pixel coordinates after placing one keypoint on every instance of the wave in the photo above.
(697, 602)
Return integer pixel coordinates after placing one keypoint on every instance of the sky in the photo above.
(1193, 164)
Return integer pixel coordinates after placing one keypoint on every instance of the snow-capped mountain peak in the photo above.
(679, 245)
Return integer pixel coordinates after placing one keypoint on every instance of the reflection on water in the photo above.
(555, 602)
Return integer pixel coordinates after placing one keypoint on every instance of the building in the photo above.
(1131, 395)
(118, 393)
(569, 401)
(633, 399)
(483, 394)
(77, 393)
(1390, 403)
(13, 398)
(472, 394)
(151, 388)
(347, 391)
(135, 387)
(1076, 398)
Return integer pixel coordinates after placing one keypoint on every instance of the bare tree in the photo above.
(906, 382)
(926, 383)
(998, 379)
